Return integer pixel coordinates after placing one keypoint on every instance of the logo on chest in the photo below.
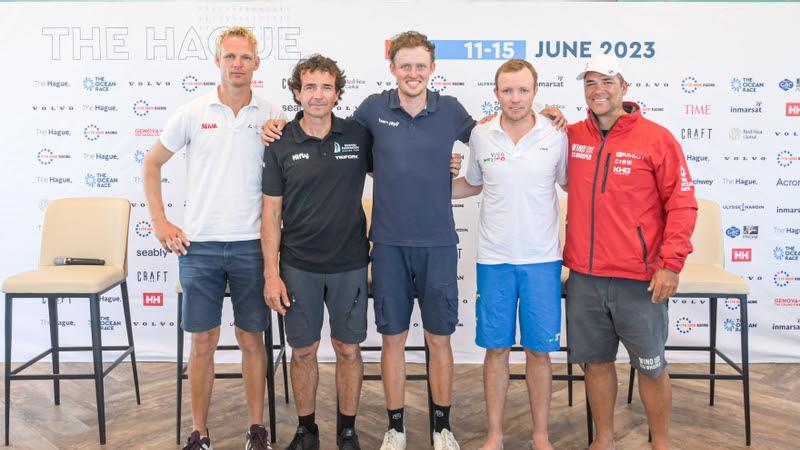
(345, 151)
(208, 126)
(493, 158)
(580, 151)
(299, 156)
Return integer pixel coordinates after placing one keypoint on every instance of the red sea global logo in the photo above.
(439, 83)
(793, 109)
(741, 254)
(143, 229)
(153, 298)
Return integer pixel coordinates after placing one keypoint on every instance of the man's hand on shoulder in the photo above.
(663, 285)
(271, 130)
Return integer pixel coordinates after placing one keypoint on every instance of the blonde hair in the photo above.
(516, 65)
(240, 32)
(410, 39)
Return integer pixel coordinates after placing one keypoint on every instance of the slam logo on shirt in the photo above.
(345, 151)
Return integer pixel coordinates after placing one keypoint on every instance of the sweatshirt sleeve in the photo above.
(676, 190)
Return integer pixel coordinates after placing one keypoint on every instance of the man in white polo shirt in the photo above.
(516, 160)
(219, 243)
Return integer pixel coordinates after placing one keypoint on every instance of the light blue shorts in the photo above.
(536, 288)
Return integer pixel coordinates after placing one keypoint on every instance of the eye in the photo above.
(405, 67)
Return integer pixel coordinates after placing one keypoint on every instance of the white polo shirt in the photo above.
(224, 157)
(519, 209)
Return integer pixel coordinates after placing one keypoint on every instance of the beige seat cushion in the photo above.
(65, 280)
(710, 279)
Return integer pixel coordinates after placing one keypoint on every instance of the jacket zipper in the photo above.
(594, 193)
(605, 173)
(644, 246)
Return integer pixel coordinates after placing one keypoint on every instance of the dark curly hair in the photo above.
(313, 63)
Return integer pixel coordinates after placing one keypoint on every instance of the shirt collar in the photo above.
(432, 101)
(215, 100)
(300, 136)
(494, 124)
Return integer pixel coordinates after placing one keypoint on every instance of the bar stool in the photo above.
(79, 228)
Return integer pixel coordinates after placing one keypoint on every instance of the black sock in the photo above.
(441, 418)
(308, 422)
(396, 419)
(345, 422)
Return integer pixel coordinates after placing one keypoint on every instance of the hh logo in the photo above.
(741, 254)
(153, 298)
(793, 110)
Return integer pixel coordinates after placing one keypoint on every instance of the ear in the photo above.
(258, 63)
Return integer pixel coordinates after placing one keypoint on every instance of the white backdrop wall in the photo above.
(89, 86)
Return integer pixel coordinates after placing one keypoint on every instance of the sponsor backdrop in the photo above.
(89, 87)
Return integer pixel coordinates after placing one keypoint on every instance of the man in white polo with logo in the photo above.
(516, 160)
(219, 243)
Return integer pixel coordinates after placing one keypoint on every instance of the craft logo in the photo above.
(757, 109)
(439, 83)
(50, 84)
(151, 276)
(696, 134)
(190, 83)
(138, 156)
(51, 132)
(685, 326)
(46, 156)
(93, 133)
(690, 85)
(786, 253)
(747, 134)
(782, 278)
(143, 229)
(490, 107)
(99, 180)
(741, 255)
(148, 132)
(786, 158)
(697, 110)
(746, 84)
(98, 84)
(142, 108)
(793, 109)
(153, 298)
(649, 109)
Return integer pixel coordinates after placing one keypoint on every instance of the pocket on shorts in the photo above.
(449, 302)
(380, 315)
(296, 318)
(356, 320)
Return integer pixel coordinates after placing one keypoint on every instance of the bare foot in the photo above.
(493, 443)
(602, 445)
(541, 442)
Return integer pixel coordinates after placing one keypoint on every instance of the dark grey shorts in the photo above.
(344, 293)
(601, 311)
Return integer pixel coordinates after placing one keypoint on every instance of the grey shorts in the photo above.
(345, 295)
(601, 311)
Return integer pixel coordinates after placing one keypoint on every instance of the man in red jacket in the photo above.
(631, 213)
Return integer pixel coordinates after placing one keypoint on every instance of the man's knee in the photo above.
(346, 352)
(652, 367)
(497, 353)
(307, 354)
(598, 368)
(250, 342)
(437, 341)
(395, 342)
(537, 358)
(204, 343)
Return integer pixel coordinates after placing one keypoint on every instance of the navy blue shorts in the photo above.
(401, 273)
(205, 270)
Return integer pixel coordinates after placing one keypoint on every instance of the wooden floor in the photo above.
(37, 423)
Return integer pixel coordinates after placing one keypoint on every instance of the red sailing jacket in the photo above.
(631, 206)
